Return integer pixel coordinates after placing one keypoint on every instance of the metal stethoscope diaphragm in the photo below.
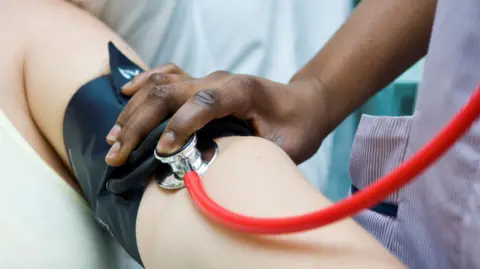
(193, 156)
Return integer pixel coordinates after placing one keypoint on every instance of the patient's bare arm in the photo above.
(64, 49)
(60, 48)
(254, 177)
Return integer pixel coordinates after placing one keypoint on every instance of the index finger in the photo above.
(157, 103)
(138, 81)
(153, 82)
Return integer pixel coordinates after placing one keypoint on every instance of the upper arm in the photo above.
(251, 176)
(64, 47)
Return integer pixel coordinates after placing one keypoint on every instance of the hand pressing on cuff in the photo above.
(293, 115)
(158, 79)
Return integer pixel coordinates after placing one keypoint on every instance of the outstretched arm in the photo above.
(379, 41)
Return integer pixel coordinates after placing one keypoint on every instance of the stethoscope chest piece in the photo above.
(192, 156)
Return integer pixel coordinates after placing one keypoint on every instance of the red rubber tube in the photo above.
(363, 199)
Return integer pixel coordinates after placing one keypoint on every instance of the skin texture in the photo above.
(60, 48)
(377, 43)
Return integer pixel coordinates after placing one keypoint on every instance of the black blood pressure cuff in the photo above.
(114, 193)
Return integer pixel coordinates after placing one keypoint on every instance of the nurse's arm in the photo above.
(379, 41)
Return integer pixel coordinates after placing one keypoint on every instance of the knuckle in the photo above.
(171, 66)
(159, 93)
(127, 111)
(218, 74)
(208, 98)
(122, 118)
(132, 132)
(245, 82)
(132, 127)
(158, 78)
(129, 133)
(241, 90)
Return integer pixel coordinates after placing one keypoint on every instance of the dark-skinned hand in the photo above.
(291, 115)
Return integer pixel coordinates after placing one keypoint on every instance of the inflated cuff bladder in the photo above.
(114, 193)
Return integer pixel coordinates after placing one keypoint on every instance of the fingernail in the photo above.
(166, 143)
(128, 84)
(112, 153)
(114, 132)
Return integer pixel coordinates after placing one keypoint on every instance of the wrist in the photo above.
(318, 98)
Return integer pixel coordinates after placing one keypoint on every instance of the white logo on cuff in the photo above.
(128, 74)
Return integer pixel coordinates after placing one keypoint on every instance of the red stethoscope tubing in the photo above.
(363, 199)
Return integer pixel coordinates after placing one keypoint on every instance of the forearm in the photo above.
(254, 177)
(377, 43)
